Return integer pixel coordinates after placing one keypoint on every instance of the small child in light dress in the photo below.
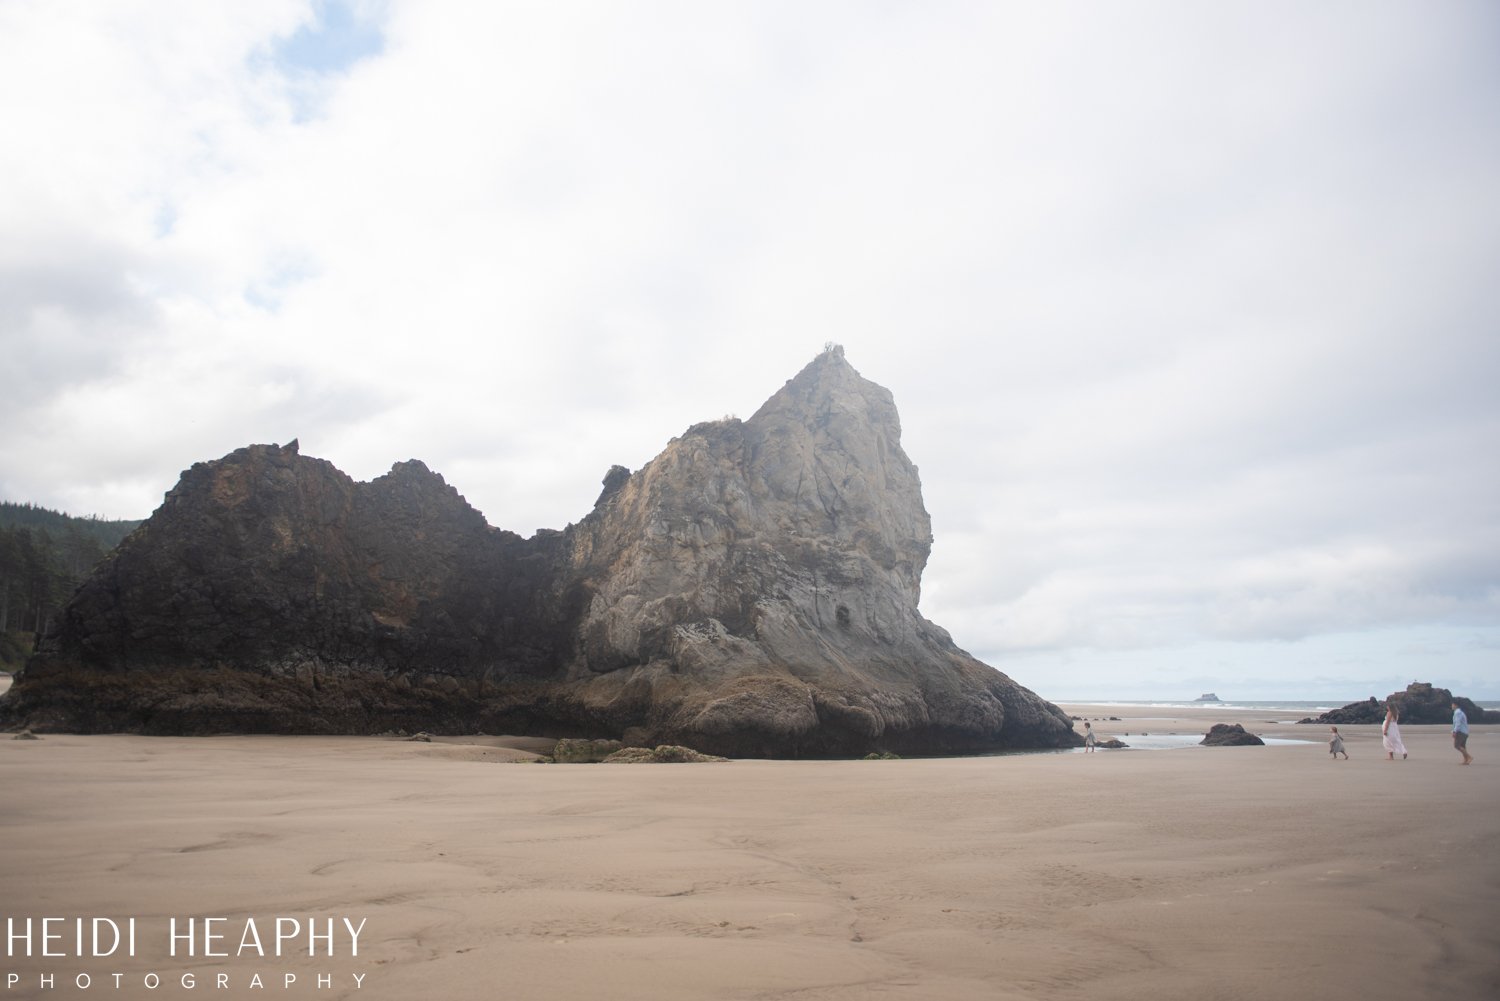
(1336, 745)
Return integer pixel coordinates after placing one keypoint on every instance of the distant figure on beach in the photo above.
(1336, 745)
(1088, 738)
(1390, 734)
(1461, 733)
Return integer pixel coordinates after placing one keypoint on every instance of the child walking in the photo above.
(1336, 745)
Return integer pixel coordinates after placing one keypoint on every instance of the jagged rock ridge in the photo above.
(751, 591)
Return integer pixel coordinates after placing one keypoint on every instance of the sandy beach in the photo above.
(1261, 872)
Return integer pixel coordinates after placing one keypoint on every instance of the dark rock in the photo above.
(1420, 703)
(1229, 735)
(1370, 711)
(613, 481)
(751, 591)
(1113, 743)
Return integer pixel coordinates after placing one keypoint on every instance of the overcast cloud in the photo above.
(1190, 310)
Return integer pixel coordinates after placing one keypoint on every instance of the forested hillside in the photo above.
(43, 556)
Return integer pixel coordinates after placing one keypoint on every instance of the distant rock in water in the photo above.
(1229, 735)
(1420, 703)
(751, 591)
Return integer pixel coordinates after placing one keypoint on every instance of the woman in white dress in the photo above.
(1390, 734)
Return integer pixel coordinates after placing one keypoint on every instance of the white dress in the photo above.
(1391, 738)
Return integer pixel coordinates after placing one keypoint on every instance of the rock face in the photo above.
(751, 591)
(1229, 735)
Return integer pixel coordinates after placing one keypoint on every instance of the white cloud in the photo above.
(1187, 309)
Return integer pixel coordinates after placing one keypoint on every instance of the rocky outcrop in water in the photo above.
(1419, 703)
(1229, 735)
(751, 591)
(1422, 703)
(1372, 710)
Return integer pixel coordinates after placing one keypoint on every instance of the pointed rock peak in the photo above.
(828, 367)
(421, 494)
(412, 467)
(412, 475)
(613, 481)
(832, 355)
(829, 384)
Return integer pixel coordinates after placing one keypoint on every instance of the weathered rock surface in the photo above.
(581, 750)
(666, 754)
(1419, 703)
(751, 591)
(1229, 735)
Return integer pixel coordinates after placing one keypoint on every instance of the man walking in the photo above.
(1461, 733)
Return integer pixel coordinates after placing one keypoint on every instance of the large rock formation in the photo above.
(1420, 703)
(751, 591)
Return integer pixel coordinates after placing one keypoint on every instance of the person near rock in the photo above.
(1461, 733)
(1390, 734)
(1336, 745)
(1088, 737)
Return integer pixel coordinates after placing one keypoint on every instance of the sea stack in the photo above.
(751, 591)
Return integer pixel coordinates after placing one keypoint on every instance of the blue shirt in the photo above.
(1460, 721)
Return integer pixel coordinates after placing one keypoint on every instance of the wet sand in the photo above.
(1266, 872)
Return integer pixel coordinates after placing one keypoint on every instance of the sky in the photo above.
(1190, 310)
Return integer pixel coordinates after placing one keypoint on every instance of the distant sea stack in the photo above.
(751, 591)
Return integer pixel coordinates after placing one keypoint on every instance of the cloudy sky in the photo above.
(1192, 311)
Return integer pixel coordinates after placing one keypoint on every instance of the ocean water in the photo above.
(1305, 708)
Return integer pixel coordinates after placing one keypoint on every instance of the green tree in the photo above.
(44, 556)
(10, 573)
